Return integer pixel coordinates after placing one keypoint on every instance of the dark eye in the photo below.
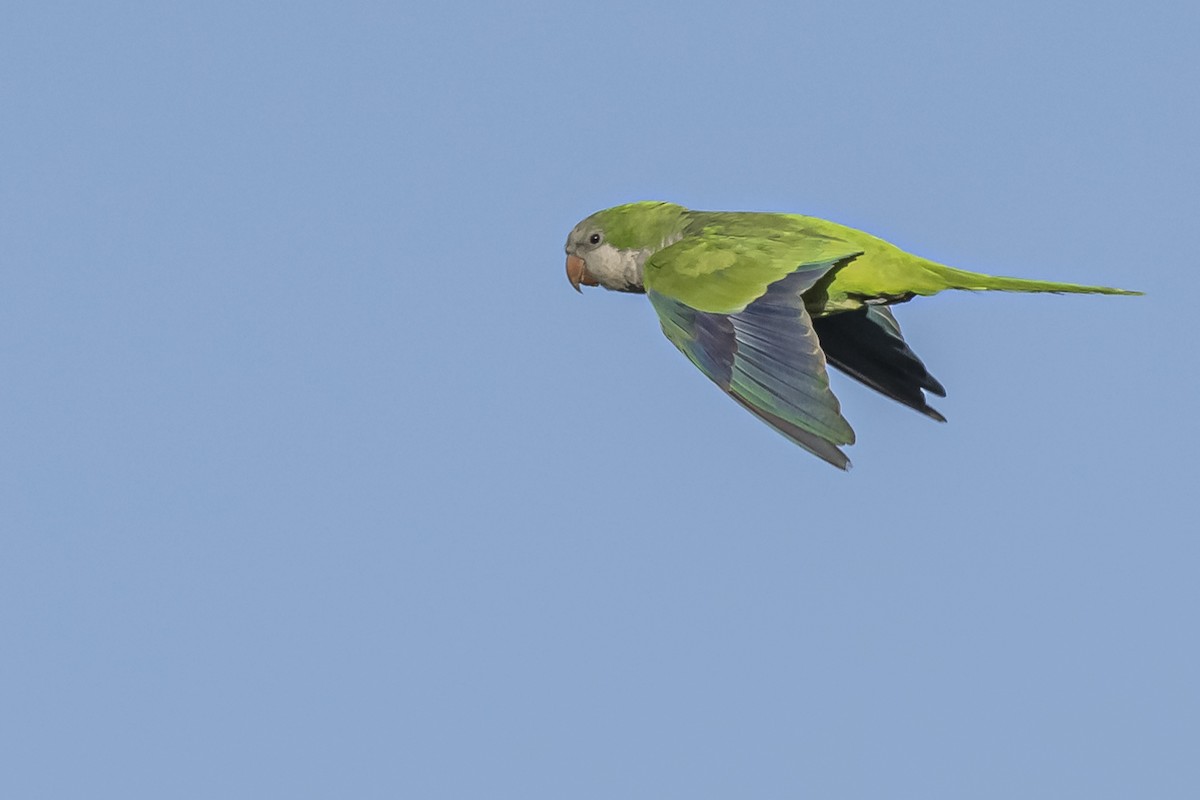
(594, 238)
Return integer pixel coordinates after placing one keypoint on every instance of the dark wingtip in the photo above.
(867, 345)
(820, 447)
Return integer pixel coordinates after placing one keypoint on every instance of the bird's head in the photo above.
(609, 248)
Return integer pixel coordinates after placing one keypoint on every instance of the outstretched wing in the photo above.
(763, 352)
(867, 345)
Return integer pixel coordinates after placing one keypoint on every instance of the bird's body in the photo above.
(759, 302)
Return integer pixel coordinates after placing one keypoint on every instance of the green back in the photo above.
(727, 261)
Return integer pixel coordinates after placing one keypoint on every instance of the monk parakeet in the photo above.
(761, 302)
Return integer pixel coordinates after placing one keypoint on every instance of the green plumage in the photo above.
(743, 295)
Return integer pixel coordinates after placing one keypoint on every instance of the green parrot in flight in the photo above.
(760, 302)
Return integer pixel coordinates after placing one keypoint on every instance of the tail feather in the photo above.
(978, 282)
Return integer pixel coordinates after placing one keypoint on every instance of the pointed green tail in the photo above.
(978, 282)
(884, 272)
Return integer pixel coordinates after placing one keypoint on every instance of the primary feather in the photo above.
(867, 345)
(768, 358)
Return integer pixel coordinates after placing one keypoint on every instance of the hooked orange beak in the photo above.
(577, 273)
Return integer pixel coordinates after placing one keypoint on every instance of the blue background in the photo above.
(317, 480)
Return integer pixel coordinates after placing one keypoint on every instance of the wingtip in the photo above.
(933, 414)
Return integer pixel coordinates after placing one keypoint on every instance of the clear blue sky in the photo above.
(317, 479)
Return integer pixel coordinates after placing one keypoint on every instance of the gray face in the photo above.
(586, 237)
(618, 270)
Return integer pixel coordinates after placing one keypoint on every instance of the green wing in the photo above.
(727, 260)
(735, 307)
